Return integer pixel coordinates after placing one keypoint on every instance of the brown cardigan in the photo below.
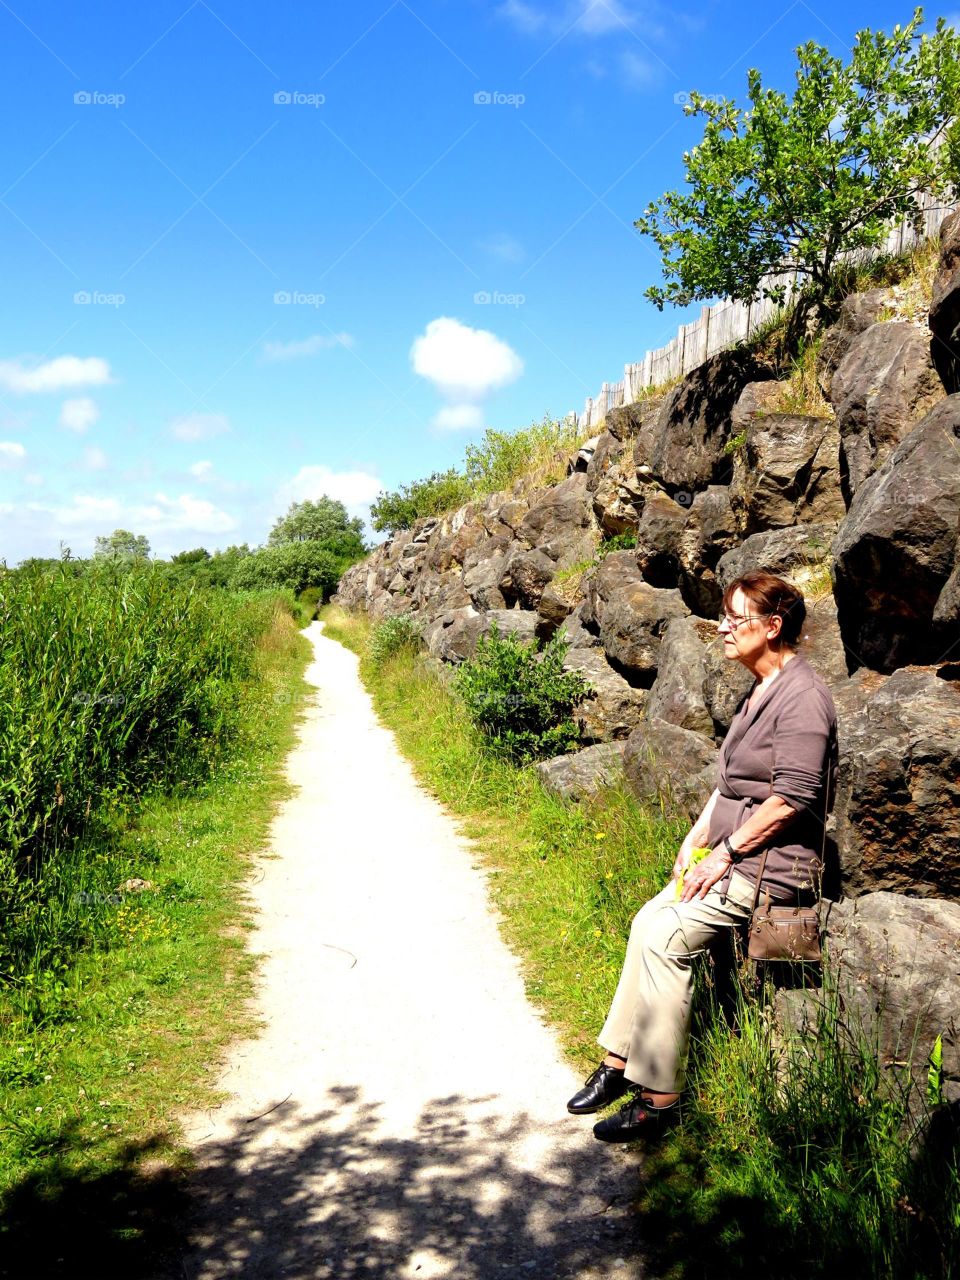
(783, 745)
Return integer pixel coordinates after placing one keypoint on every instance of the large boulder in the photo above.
(453, 635)
(482, 569)
(659, 536)
(858, 312)
(614, 707)
(629, 614)
(896, 550)
(787, 473)
(897, 809)
(686, 444)
(885, 384)
(672, 768)
(619, 494)
(783, 551)
(945, 306)
(582, 773)
(575, 632)
(560, 521)
(677, 695)
(710, 531)
(896, 965)
(525, 574)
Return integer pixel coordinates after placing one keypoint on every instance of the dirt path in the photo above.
(402, 1113)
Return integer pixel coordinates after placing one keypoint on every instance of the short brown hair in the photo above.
(772, 596)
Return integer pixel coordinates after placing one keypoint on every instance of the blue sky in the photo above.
(258, 253)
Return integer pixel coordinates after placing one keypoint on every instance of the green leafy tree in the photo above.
(316, 522)
(293, 565)
(797, 183)
(121, 545)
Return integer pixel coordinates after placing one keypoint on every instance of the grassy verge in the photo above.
(98, 1053)
(794, 1162)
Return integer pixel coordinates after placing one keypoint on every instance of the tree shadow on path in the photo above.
(467, 1193)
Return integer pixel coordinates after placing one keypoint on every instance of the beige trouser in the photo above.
(649, 1019)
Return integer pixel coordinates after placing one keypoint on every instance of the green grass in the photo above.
(794, 1158)
(98, 1052)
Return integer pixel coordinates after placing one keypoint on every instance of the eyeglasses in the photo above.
(736, 620)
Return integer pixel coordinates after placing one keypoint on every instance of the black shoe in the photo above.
(604, 1086)
(638, 1119)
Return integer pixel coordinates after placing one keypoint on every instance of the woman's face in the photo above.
(746, 640)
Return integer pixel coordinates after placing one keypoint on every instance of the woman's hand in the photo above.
(700, 880)
(682, 862)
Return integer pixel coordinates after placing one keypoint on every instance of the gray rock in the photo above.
(787, 473)
(858, 312)
(677, 695)
(577, 635)
(454, 635)
(885, 384)
(895, 551)
(614, 707)
(693, 424)
(630, 615)
(780, 551)
(659, 538)
(671, 768)
(897, 809)
(756, 399)
(945, 306)
(525, 574)
(896, 963)
(582, 773)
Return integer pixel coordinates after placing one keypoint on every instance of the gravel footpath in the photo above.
(402, 1113)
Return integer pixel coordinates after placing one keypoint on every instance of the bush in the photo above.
(309, 600)
(293, 566)
(393, 635)
(520, 699)
(441, 492)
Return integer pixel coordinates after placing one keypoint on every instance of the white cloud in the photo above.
(12, 453)
(306, 346)
(201, 469)
(162, 514)
(355, 489)
(95, 459)
(459, 417)
(34, 478)
(199, 426)
(78, 415)
(464, 364)
(636, 71)
(505, 248)
(588, 17)
(55, 375)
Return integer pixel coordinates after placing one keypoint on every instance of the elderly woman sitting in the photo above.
(771, 793)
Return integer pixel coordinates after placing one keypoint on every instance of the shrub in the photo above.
(392, 636)
(520, 699)
(441, 492)
(292, 565)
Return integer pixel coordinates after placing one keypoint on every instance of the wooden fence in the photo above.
(727, 322)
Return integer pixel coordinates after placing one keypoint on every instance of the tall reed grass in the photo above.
(112, 683)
